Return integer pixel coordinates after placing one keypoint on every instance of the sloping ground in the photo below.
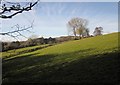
(90, 60)
(12, 53)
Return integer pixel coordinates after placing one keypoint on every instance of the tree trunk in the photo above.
(88, 34)
(74, 32)
(80, 36)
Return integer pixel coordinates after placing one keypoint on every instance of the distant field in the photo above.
(91, 60)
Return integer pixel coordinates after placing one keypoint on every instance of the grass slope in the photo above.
(91, 60)
(12, 53)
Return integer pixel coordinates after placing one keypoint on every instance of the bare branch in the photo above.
(12, 11)
(17, 8)
(18, 31)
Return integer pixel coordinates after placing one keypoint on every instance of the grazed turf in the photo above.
(92, 60)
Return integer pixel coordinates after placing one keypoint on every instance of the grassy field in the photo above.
(89, 60)
(12, 53)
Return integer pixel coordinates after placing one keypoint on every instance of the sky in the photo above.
(50, 18)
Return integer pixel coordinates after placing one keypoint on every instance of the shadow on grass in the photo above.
(93, 69)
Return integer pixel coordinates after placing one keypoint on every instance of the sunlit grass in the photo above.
(12, 53)
(78, 57)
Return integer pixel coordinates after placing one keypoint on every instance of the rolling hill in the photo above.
(89, 60)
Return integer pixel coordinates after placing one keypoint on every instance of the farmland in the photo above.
(91, 60)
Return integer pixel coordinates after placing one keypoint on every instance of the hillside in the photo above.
(91, 60)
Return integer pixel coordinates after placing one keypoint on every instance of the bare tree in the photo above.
(78, 25)
(80, 31)
(98, 31)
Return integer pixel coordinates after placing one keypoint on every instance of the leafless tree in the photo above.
(78, 25)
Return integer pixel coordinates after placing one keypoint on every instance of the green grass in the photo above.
(92, 60)
(14, 52)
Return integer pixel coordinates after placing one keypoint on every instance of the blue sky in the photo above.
(50, 18)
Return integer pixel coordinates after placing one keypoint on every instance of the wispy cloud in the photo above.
(50, 18)
(66, 0)
(79, 0)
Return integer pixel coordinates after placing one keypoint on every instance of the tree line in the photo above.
(78, 26)
(33, 42)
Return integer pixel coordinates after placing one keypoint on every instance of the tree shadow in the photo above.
(93, 69)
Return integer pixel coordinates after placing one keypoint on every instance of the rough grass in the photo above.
(14, 52)
(90, 60)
